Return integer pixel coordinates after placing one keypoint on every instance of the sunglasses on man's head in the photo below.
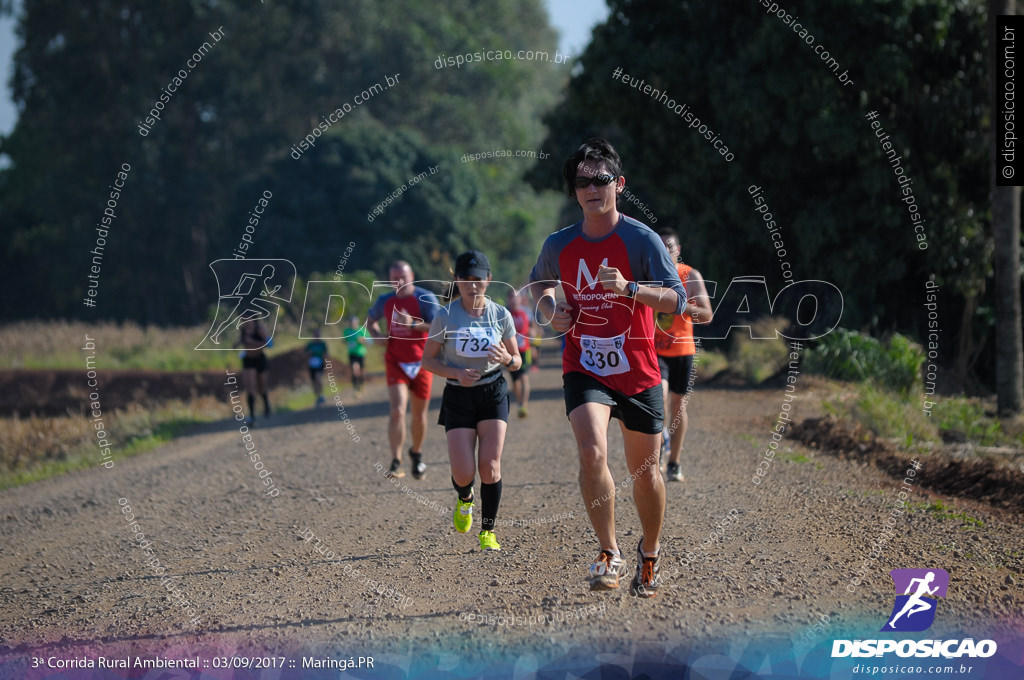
(601, 179)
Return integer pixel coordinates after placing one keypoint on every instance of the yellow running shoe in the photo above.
(463, 515)
(488, 541)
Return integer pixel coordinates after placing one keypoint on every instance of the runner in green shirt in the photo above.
(355, 338)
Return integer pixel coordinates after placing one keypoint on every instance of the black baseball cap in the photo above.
(472, 263)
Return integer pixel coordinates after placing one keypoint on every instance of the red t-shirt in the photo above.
(521, 318)
(405, 345)
(613, 336)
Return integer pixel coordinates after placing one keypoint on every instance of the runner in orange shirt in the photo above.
(673, 341)
(524, 326)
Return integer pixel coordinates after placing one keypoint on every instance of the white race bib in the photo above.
(410, 369)
(474, 341)
(604, 356)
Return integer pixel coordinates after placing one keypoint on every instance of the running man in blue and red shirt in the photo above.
(613, 271)
(407, 312)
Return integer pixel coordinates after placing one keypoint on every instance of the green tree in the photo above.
(85, 76)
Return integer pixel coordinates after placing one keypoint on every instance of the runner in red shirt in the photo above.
(673, 340)
(613, 270)
(520, 378)
(407, 313)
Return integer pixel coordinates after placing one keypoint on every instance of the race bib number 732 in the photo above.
(474, 341)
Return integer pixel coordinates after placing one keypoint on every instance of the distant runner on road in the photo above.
(355, 340)
(253, 338)
(673, 340)
(470, 340)
(316, 352)
(524, 324)
(613, 270)
(407, 312)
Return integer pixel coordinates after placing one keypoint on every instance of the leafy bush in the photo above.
(891, 416)
(758, 360)
(849, 355)
(709, 362)
(968, 418)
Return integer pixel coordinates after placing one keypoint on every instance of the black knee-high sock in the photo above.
(266, 404)
(252, 403)
(490, 499)
(465, 492)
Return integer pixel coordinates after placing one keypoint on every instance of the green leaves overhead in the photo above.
(86, 76)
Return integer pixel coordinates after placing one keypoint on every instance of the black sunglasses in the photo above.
(603, 179)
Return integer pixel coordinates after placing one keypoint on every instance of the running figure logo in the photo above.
(915, 608)
(257, 296)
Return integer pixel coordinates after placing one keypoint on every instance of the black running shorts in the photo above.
(677, 371)
(259, 362)
(467, 406)
(642, 412)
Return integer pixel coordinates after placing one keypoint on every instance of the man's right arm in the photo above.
(373, 318)
(543, 295)
(558, 314)
(543, 279)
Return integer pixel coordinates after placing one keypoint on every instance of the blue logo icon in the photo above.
(915, 608)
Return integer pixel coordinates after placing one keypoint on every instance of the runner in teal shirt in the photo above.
(316, 350)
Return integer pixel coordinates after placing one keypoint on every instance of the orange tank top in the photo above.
(673, 335)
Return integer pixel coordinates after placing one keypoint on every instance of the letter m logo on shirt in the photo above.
(584, 273)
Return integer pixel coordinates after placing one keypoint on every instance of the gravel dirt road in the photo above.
(344, 561)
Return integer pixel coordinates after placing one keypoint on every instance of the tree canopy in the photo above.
(86, 78)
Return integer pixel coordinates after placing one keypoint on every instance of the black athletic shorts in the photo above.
(259, 362)
(353, 360)
(467, 406)
(642, 412)
(677, 371)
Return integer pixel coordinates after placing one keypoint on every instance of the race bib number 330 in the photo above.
(604, 356)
